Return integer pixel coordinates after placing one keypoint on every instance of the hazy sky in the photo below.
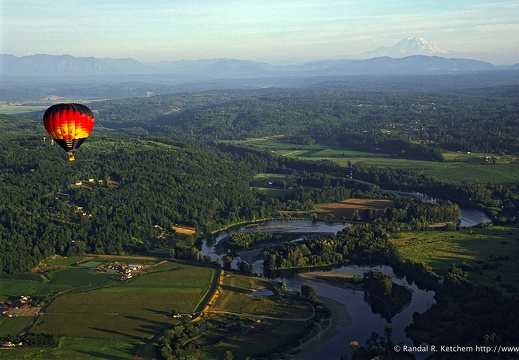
(268, 30)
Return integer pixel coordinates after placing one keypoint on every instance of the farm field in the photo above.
(346, 208)
(488, 252)
(13, 325)
(72, 278)
(237, 297)
(12, 109)
(34, 105)
(138, 305)
(184, 230)
(128, 313)
(456, 168)
(77, 349)
(17, 285)
(261, 323)
(264, 183)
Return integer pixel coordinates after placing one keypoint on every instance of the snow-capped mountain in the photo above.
(407, 47)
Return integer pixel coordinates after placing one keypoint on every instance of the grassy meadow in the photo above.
(237, 297)
(261, 183)
(457, 167)
(490, 253)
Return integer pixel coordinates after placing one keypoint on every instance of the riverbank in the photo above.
(340, 318)
(339, 279)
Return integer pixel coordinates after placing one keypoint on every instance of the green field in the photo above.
(10, 109)
(108, 318)
(254, 337)
(16, 287)
(490, 252)
(72, 278)
(13, 325)
(456, 168)
(91, 264)
(134, 310)
(77, 349)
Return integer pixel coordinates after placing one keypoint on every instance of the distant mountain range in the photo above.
(408, 57)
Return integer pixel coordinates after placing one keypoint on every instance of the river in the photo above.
(352, 316)
(209, 245)
(361, 319)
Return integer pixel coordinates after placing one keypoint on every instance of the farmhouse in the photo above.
(9, 344)
(122, 269)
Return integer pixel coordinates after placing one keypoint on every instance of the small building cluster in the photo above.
(20, 306)
(125, 270)
(9, 344)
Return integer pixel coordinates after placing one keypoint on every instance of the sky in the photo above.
(262, 30)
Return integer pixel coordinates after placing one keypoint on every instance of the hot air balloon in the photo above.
(69, 125)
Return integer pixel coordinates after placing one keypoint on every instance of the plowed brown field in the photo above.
(346, 207)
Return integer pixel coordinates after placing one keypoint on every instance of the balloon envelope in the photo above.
(69, 125)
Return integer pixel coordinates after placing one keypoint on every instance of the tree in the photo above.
(309, 292)
(227, 262)
(378, 284)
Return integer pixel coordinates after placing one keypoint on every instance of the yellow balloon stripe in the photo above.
(61, 133)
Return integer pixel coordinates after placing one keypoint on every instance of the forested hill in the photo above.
(114, 197)
(419, 124)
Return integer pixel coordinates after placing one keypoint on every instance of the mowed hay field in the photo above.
(136, 309)
(345, 208)
(184, 230)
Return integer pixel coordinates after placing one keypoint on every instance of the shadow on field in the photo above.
(309, 153)
(156, 322)
(99, 355)
(114, 332)
(151, 327)
(235, 289)
(156, 312)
